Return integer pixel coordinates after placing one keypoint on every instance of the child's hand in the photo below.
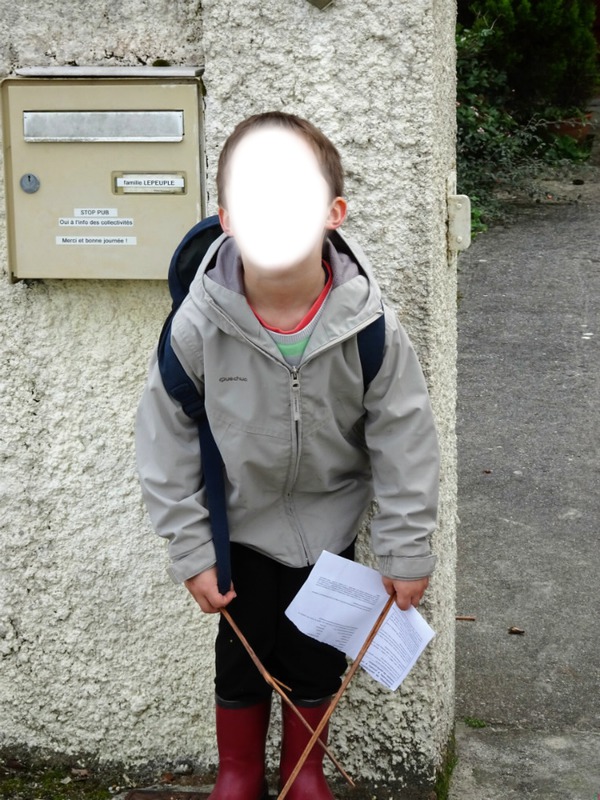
(203, 588)
(408, 593)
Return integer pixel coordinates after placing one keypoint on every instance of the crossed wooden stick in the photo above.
(276, 685)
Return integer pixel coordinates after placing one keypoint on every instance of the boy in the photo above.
(268, 334)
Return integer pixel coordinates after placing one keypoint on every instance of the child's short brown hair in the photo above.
(326, 152)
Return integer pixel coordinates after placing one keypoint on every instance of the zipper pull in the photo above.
(295, 394)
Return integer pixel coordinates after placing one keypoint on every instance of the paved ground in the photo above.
(529, 504)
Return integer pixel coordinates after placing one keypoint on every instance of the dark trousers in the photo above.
(264, 589)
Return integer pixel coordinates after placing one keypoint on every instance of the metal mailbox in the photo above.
(104, 169)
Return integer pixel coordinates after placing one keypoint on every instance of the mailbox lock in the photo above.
(30, 183)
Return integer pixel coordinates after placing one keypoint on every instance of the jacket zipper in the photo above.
(296, 426)
(296, 397)
(295, 462)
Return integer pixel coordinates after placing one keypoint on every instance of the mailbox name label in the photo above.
(146, 183)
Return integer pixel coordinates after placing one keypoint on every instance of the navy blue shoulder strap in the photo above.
(181, 388)
(371, 344)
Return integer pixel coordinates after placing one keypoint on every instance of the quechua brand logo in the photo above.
(227, 378)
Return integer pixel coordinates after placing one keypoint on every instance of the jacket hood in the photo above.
(354, 300)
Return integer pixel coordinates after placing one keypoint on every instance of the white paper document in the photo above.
(340, 603)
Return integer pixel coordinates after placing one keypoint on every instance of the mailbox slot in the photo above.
(103, 126)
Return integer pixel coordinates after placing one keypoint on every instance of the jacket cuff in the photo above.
(198, 560)
(406, 569)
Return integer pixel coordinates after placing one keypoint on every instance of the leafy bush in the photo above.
(493, 148)
(498, 147)
(546, 48)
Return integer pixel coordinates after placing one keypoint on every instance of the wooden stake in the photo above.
(337, 698)
(276, 684)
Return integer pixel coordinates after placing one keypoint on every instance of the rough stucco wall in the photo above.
(99, 652)
(378, 78)
(105, 32)
(91, 633)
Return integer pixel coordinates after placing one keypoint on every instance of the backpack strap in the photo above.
(181, 388)
(371, 344)
(371, 340)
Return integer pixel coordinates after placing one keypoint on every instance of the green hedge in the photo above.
(498, 152)
(546, 48)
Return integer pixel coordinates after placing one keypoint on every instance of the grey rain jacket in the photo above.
(305, 449)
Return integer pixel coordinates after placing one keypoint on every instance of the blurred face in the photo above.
(278, 202)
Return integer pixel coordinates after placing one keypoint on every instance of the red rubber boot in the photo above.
(310, 784)
(241, 736)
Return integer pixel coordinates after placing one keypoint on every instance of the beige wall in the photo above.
(99, 652)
